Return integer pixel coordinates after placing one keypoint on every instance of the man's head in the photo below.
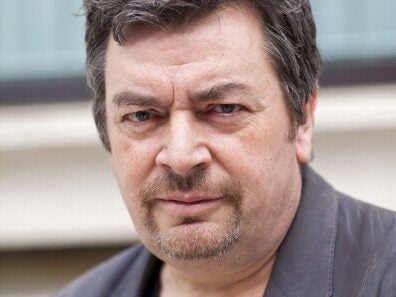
(288, 26)
(199, 118)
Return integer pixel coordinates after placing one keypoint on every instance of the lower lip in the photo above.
(189, 208)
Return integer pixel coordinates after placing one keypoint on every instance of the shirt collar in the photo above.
(304, 262)
(134, 281)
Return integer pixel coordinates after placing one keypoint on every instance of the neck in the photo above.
(248, 281)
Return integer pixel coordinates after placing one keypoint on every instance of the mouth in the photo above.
(190, 206)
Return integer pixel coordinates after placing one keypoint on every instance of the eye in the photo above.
(227, 108)
(139, 116)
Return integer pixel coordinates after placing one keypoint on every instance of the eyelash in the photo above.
(236, 108)
(214, 108)
(136, 114)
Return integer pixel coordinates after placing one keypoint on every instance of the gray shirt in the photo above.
(336, 246)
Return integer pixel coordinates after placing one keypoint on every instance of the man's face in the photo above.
(200, 142)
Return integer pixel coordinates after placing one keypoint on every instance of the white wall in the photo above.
(355, 142)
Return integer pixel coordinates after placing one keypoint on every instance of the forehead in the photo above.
(222, 28)
(228, 42)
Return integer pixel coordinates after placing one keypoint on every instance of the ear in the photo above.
(304, 133)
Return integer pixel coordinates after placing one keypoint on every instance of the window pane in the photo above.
(356, 29)
(41, 39)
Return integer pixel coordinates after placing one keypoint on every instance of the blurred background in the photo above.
(60, 210)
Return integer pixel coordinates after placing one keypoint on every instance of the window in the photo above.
(42, 47)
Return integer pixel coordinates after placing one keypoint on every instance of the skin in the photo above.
(160, 122)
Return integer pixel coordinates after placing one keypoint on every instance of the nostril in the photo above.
(197, 158)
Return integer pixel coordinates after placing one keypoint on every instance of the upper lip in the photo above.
(188, 197)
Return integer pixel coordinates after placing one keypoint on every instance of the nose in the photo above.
(184, 148)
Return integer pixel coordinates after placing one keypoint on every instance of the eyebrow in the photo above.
(219, 91)
(125, 98)
(131, 98)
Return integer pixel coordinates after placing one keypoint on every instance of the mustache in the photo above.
(196, 181)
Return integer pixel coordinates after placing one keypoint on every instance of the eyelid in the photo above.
(237, 107)
(132, 113)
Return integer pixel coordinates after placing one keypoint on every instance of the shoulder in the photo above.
(364, 222)
(104, 278)
(365, 252)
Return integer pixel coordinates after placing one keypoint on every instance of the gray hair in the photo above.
(287, 24)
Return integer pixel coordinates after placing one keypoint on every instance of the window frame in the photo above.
(338, 73)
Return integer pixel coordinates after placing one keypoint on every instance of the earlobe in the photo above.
(305, 131)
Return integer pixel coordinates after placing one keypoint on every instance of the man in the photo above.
(206, 109)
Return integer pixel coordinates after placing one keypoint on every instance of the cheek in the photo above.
(260, 159)
(132, 163)
(254, 152)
